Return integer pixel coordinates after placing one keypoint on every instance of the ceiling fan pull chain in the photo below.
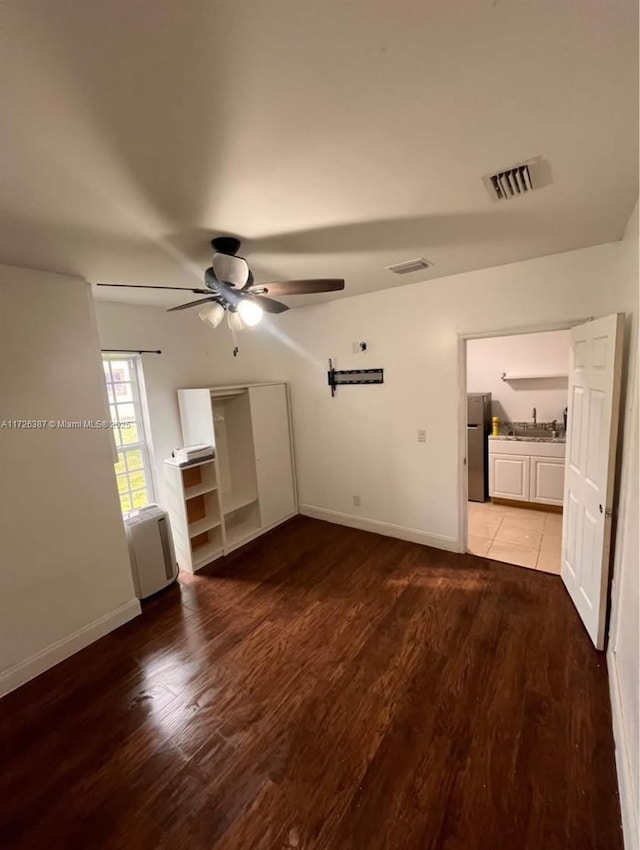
(234, 337)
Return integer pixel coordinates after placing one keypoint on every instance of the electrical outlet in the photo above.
(422, 436)
(356, 501)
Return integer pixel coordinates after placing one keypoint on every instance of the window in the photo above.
(133, 471)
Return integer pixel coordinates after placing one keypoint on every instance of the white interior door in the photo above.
(594, 399)
(272, 442)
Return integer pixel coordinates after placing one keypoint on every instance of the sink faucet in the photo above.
(535, 417)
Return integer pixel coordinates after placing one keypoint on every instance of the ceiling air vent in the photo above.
(409, 266)
(518, 180)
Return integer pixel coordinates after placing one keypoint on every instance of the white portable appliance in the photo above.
(153, 557)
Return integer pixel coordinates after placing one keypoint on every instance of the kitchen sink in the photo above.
(533, 431)
(538, 433)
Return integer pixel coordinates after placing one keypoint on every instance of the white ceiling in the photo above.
(336, 137)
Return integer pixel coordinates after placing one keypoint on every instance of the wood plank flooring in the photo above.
(323, 688)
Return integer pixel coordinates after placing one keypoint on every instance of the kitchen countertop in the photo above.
(562, 439)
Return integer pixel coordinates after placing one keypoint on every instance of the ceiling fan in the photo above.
(231, 289)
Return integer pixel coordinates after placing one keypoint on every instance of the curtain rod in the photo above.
(129, 351)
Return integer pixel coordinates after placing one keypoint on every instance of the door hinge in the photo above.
(608, 512)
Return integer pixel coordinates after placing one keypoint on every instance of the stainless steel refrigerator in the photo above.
(478, 430)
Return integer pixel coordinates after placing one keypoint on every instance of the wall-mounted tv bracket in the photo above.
(353, 376)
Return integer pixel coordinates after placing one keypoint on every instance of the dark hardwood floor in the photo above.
(323, 688)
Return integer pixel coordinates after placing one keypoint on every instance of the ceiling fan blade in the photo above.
(150, 286)
(268, 304)
(298, 287)
(192, 304)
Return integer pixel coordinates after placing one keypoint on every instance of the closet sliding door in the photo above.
(272, 445)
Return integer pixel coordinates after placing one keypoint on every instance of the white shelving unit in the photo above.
(233, 501)
(196, 517)
(249, 487)
(198, 490)
(205, 554)
(201, 525)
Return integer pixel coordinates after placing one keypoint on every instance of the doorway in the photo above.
(517, 399)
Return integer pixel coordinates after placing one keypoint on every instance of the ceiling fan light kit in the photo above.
(230, 288)
(250, 312)
(212, 314)
(234, 320)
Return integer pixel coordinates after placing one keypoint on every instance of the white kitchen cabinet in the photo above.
(248, 487)
(527, 471)
(509, 477)
(547, 480)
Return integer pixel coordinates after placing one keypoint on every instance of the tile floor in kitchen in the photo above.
(519, 536)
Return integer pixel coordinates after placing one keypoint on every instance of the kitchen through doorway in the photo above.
(517, 397)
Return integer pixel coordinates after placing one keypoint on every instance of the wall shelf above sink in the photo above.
(515, 376)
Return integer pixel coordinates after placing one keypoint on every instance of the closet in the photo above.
(248, 487)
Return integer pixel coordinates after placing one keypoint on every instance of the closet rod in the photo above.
(129, 351)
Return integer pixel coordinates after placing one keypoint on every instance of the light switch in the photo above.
(422, 436)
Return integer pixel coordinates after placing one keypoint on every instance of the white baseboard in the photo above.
(20, 673)
(628, 794)
(401, 532)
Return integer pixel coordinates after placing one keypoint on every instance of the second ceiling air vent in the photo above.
(517, 180)
(417, 265)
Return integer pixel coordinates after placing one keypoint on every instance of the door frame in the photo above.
(463, 338)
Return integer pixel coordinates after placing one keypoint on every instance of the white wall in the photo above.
(525, 354)
(624, 653)
(65, 578)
